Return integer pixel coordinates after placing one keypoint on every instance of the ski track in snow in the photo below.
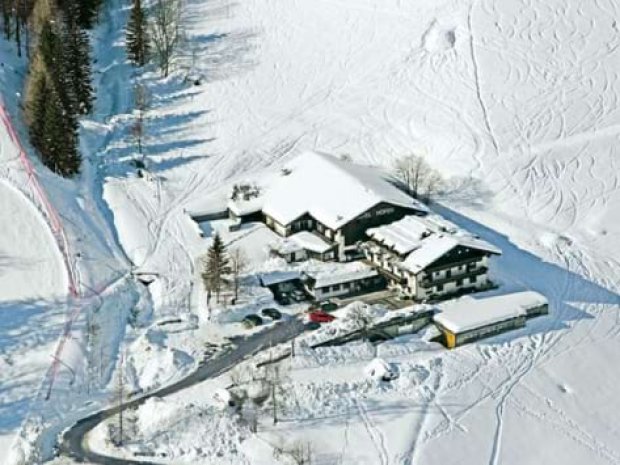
(375, 434)
(524, 99)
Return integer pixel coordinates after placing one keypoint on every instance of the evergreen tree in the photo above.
(36, 109)
(77, 64)
(84, 12)
(54, 128)
(54, 55)
(216, 267)
(59, 150)
(137, 36)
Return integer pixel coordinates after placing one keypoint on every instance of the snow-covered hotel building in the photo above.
(334, 210)
(429, 257)
(334, 200)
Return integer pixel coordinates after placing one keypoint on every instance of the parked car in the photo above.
(271, 313)
(328, 306)
(319, 316)
(312, 326)
(251, 321)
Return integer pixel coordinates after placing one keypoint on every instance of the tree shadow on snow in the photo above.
(517, 269)
(24, 327)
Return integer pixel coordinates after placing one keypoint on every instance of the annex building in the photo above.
(429, 257)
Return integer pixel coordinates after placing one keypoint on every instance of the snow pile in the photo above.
(152, 363)
(187, 432)
(438, 38)
(155, 415)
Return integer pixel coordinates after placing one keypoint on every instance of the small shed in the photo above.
(468, 319)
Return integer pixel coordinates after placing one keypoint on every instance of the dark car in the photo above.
(271, 313)
(250, 321)
(312, 325)
(328, 306)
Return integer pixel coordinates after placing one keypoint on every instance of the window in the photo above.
(336, 288)
(385, 211)
(346, 285)
(472, 279)
(448, 273)
(439, 288)
(459, 282)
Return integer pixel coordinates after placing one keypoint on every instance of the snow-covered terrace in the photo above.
(343, 273)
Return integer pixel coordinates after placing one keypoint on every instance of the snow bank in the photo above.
(152, 363)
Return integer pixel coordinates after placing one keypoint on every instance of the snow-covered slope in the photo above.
(64, 288)
(516, 100)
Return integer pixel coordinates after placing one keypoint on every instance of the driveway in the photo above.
(73, 441)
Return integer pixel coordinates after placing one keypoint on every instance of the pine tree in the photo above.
(54, 56)
(36, 109)
(217, 267)
(59, 150)
(137, 36)
(84, 12)
(77, 64)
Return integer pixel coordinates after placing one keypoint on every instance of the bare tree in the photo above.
(141, 103)
(433, 184)
(238, 265)
(418, 177)
(361, 318)
(165, 32)
(275, 377)
(297, 453)
(120, 395)
(301, 453)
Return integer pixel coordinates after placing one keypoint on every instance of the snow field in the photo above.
(521, 98)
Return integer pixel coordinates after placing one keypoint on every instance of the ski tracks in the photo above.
(375, 434)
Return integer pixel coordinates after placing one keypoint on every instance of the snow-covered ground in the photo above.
(516, 101)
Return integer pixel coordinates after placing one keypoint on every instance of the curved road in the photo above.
(73, 443)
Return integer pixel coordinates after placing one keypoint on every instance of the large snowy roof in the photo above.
(343, 273)
(331, 190)
(467, 313)
(426, 239)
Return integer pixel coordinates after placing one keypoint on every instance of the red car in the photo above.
(318, 316)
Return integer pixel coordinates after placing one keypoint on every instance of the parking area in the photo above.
(289, 292)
